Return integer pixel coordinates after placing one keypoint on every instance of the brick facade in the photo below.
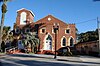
(91, 47)
(66, 34)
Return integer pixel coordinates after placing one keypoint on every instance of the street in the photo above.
(22, 59)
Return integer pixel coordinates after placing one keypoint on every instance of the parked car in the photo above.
(66, 51)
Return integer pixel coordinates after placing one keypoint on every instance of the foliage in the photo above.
(6, 30)
(31, 39)
(88, 36)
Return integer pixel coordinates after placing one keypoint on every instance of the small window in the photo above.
(67, 31)
(43, 30)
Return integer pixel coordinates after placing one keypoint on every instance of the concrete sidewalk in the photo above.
(67, 58)
(71, 59)
(83, 59)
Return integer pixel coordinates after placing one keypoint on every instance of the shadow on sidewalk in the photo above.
(1, 64)
(51, 58)
(77, 61)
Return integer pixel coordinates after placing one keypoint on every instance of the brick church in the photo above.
(65, 35)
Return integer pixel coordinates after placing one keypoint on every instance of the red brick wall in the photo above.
(29, 16)
(61, 32)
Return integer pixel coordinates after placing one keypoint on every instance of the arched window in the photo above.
(64, 42)
(71, 41)
(49, 37)
(23, 18)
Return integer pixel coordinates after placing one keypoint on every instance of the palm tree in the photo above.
(4, 10)
(32, 41)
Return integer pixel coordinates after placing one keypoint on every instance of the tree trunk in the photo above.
(1, 29)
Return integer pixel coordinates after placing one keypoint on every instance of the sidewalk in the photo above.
(79, 59)
(59, 58)
(87, 59)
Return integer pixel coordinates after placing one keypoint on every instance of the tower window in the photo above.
(23, 18)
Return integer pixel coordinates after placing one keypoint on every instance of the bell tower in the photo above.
(24, 17)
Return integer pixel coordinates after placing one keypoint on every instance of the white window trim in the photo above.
(23, 17)
(41, 30)
(69, 41)
(62, 40)
(53, 31)
(69, 31)
(45, 41)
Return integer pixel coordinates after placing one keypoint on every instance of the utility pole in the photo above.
(98, 23)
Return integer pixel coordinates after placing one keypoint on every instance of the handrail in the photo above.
(10, 48)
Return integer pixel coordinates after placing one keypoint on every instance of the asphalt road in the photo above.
(47, 60)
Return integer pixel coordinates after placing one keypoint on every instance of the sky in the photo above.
(81, 12)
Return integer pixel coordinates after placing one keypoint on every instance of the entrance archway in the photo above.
(48, 43)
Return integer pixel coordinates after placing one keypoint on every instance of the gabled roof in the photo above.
(51, 21)
(26, 10)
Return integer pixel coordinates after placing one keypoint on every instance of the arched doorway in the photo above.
(48, 43)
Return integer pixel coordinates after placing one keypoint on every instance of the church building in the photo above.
(49, 29)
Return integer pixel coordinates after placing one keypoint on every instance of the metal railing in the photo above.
(10, 49)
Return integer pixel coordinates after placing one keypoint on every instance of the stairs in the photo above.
(11, 50)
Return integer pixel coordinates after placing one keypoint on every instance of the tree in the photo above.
(88, 36)
(31, 40)
(4, 10)
(5, 34)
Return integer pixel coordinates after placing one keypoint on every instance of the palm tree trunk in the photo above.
(4, 10)
(1, 29)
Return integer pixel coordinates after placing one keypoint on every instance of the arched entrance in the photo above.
(48, 43)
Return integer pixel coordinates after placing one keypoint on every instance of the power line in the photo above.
(85, 21)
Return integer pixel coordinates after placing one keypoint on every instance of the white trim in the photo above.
(69, 30)
(61, 41)
(32, 13)
(53, 31)
(45, 41)
(20, 9)
(26, 9)
(69, 40)
(41, 30)
(23, 18)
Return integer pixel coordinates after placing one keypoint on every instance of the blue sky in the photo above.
(69, 11)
